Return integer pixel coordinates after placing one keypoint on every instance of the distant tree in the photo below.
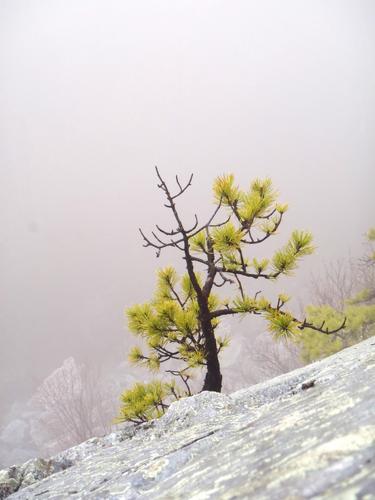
(180, 323)
(73, 405)
(275, 358)
(340, 279)
(252, 360)
(347, 290)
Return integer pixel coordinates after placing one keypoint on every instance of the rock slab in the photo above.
(306, 434)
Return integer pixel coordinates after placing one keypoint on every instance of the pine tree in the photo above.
(179, 324)
(359, 311)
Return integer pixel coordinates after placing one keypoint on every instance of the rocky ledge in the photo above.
(307, 434)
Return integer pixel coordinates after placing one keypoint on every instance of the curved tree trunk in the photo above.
(213, 378)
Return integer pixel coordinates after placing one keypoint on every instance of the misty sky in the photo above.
(94, 93)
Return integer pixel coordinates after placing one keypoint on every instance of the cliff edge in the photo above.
(307, 434)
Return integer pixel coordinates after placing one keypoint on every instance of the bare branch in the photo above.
(253, 241)
(168, 233)
(162, 243)
(182, 189)
(267, 216)
(219, 224)
(239, 286)
(178, 231)
(225, 280)
(177, 297)
(195, 225)
(184, 378)
(320, 328)
(243, 265)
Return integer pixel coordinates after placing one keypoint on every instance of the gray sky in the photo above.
(94, 93)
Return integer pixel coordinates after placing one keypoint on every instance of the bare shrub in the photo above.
(74, 405)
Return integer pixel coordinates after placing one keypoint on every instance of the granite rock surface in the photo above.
(307, 434)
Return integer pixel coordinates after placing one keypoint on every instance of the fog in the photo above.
(94, 94)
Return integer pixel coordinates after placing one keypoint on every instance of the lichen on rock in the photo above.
(284, 438)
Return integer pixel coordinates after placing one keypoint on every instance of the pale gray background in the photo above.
(94, 93)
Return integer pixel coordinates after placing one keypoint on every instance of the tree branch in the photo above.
(301, 326)
(320, 328)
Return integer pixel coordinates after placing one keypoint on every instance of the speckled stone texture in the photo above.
(307, 434)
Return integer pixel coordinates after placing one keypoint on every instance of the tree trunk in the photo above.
(213, 379)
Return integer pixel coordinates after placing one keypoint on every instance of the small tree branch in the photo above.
(182, 189)
(253, 241)
(223, 270)
(321, 328)
(184, 378)
(240, 286)
(301, 326)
